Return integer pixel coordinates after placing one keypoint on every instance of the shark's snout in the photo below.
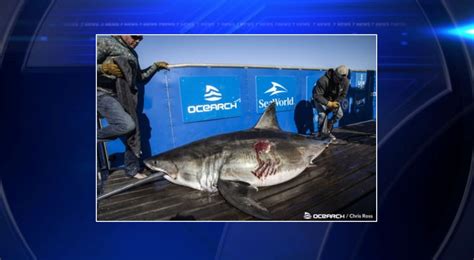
(161, 165)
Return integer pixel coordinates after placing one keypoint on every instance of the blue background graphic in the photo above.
(425, 130)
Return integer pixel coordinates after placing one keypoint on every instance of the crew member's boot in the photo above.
(330, 126)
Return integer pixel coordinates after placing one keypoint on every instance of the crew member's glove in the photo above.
(162, 65)
(333, 104)
(112, 69)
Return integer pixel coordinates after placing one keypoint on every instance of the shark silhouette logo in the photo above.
(276, 89)
(212, 93)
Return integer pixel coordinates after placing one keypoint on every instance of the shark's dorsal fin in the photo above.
(268, 120)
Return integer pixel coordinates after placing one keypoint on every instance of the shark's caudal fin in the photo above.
(153, 177)
(239, 194)
(268, 120)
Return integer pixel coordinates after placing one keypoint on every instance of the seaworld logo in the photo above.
(276, 89)
(212, 93)
(278, 101)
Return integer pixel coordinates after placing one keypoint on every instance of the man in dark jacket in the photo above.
(328, 93)
(118, 73)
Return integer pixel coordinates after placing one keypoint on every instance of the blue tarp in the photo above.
(190, 103)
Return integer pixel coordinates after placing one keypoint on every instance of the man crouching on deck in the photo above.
(328, 92)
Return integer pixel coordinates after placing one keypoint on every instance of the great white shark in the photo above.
(237, 163)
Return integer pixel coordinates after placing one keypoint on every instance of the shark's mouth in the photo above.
(171, 175)
(160, 170)
(167, 168)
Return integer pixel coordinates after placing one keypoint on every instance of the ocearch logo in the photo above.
(210, 97)
(276, 88)
(204, 108)
(212, 94)
(308, 215)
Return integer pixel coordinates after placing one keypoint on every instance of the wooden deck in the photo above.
(343, 181)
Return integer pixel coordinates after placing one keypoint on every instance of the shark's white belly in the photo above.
(262, 174)
(280, 177)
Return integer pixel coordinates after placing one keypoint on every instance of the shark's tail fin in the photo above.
(153, 177)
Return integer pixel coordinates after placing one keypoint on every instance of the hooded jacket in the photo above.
(326, 89)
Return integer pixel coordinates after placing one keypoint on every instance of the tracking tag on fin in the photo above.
(239, 194)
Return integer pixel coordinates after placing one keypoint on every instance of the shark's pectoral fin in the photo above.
(240, 194)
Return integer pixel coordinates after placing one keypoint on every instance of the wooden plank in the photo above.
(345, 196)
(308, 199)
(329, 172)
(368, 127)
(156, 200)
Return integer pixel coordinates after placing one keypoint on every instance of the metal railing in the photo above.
(246, 66)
